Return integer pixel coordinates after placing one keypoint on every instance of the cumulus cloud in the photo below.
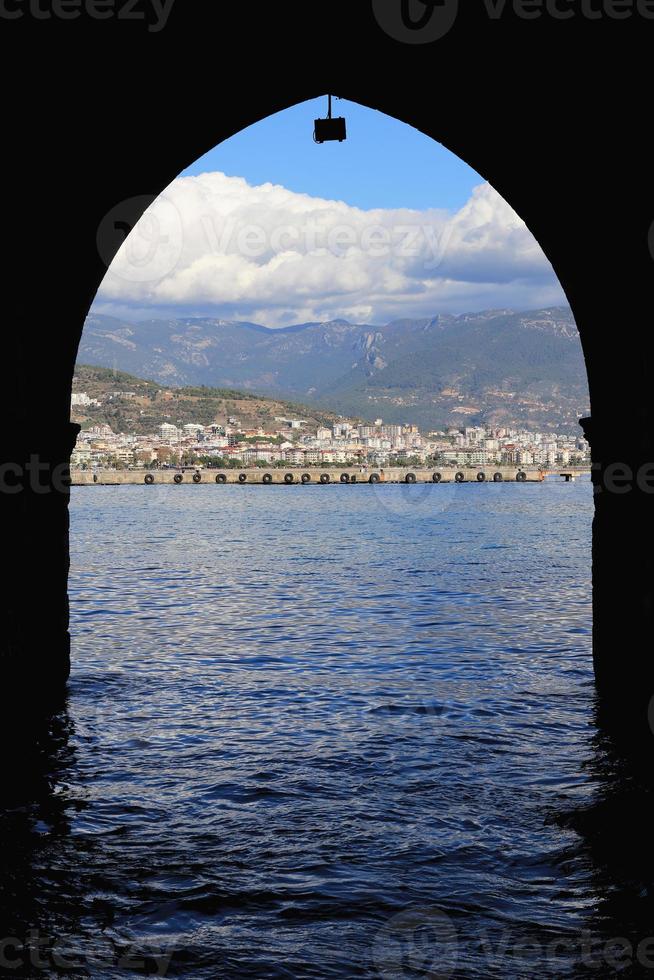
(214, 245)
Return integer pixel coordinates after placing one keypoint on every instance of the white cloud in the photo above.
(214, 245)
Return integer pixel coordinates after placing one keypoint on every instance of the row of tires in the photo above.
(289, 478)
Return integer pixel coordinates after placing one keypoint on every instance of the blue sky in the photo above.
(383, 164)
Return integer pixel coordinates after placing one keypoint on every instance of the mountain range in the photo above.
(496, 367)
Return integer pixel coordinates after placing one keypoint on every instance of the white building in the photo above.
(80, 399)
(168, 432)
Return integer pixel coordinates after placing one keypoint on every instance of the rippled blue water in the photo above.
(321, 731)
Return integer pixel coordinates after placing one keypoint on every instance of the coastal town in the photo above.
(292, 441)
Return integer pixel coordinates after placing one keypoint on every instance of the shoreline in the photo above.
(294, 476)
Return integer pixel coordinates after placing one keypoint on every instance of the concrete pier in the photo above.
(323, 476)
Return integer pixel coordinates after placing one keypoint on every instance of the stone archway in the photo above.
(137, 145)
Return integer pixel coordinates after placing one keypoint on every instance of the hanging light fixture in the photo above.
(329, 129)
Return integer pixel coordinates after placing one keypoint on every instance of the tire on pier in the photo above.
(305, 478)
(324, 478)
(197, 478)
(373, 478)
(289, 478)
(345, 478)
(266, 478)
(521, 476)
(242, 477)
(178, 478)
(353, 478)
(459, 477)
(437, 477)
(410, 478)
(221, 478)
(497, 477)
(481, 477)
(149, 479)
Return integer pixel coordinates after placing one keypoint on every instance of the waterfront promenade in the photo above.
(325, 476)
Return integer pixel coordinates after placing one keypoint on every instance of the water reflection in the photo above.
(40, 894)
(55, 919)
(615, 843)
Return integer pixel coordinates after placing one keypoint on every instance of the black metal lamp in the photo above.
(330, 129)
